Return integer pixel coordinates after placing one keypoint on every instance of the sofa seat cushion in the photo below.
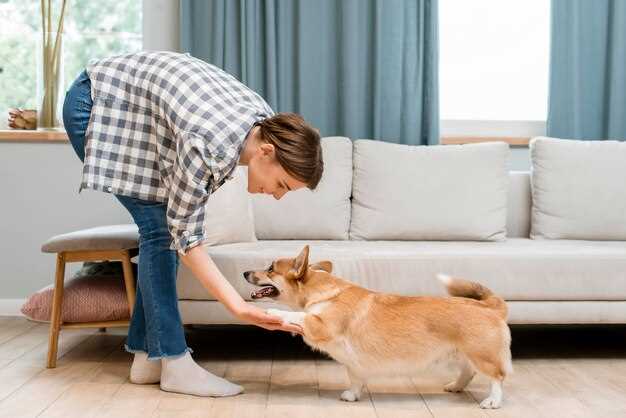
(517, 269)
(520, 312)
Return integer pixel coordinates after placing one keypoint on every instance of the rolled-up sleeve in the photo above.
(188, 194)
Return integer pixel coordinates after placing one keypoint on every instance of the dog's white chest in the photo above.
(317, 308)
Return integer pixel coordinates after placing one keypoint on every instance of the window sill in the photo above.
(59, 135)
(511, 140)
(39, 135)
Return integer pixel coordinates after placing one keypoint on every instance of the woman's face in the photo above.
(266, 175)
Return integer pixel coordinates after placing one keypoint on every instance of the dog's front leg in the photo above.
(296, 318)
(356, 387)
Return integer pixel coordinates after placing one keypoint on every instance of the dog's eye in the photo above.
(271, 269)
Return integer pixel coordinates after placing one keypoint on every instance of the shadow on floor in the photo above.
(528, 342)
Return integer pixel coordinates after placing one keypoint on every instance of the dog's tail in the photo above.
(473, 290)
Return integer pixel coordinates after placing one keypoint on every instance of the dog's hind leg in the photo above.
(356, 387)
(494, 400)
(496, 370)
(466, 376)
(492, 357)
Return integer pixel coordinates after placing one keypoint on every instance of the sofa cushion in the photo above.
(440, 192)
(323, 213)
(578, 189)
(229, 217)
(517, 268)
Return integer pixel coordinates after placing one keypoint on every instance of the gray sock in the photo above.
(144, 371)
(181, 374)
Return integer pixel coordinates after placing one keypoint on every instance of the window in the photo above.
(494, 61)
(92, 29)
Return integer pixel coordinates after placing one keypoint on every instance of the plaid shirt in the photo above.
(167, 127)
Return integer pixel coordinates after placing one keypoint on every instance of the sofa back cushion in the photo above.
(518, 205)
(323, 213)
(229, 212)
(578, 189)
(440, 192)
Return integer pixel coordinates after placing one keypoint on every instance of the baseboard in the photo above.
(11, 307)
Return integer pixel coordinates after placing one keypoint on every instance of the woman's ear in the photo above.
(267, 149)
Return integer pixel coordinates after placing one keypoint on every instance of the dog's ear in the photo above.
(301, 263)
(325, 265)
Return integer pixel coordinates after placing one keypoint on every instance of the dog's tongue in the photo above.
(263, 292)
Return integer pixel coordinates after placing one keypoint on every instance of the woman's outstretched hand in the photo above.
(259, 317)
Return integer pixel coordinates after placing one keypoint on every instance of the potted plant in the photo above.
(50, 68)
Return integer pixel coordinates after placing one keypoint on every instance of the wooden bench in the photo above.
(104, 243)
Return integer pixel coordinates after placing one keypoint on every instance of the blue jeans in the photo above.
(156, 326)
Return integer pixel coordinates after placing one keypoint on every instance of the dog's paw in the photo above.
(491, 403)
(453, 387)
(349, 396)
(275, 312)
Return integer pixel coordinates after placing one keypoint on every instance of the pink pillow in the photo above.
(85, 299)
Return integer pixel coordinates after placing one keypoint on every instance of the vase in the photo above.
(50, 80)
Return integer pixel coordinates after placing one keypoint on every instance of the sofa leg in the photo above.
(102, 329)
(55, 317)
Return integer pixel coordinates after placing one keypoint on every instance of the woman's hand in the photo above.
(250, 313)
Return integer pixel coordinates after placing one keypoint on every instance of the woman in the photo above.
(162, 131)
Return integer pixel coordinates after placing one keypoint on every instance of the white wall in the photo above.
(161, 25)
(39, 185)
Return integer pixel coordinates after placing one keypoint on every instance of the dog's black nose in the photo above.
(245, 274)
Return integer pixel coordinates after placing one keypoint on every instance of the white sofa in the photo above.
(391, 216)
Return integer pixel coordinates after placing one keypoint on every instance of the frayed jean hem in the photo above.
(133, 351)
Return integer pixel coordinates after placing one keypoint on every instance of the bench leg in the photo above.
(129, 281)
(55, 317)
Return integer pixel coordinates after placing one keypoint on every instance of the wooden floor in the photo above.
(560, 372)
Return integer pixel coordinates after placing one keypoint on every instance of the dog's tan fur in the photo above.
(381, 334)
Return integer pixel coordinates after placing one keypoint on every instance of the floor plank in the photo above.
(14, 375)
(131, 401)
(397, 398)
(76, 367)
(332, 380)
(32, 398)
(293, 391)
(24, 342)
(12, 326)
(440, 403)
(20, 366)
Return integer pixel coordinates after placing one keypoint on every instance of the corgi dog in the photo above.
(377, 334)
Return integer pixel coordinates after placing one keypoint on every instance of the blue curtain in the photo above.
(358, 68)
(588, 70)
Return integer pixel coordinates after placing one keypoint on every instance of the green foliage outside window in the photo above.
(92, 29)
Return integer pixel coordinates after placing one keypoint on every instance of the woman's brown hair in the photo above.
(297, 144)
